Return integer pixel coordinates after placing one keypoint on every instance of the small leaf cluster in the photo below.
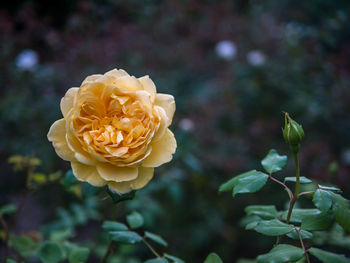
(130, 233)
(56, 249)
(30, 164)
(294, 224)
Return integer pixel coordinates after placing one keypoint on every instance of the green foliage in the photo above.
(294, 223)
(126, 237)
(157, 260)
(303, 234)
(7, 209)
(135, 220)
(322, 200)
(303, 180)
(341, 211)
(249, 182)
(273, 162)
(173, 258)
(213, 258)
(24, 245)
(50, 252)
(114, 226)
(300, 214)
(156, 238)
(263, 211)
(317, 222)
(273, 227)
(78, 254)
(328, 257)
(281, 254)
(329, 188)
(117, 198)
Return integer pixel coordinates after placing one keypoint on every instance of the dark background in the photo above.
(287, 55)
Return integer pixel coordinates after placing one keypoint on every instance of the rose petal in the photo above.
(148, 85)
(117, 73)
(57, 135)
(86, 173)
(79, 153)
(68, 100)
(162, 151)
(129, 83)
(167, 102)
(162, 125)
(91, 78)
(116, 174)
(144, 176)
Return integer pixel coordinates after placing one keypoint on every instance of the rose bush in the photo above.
(114, 130)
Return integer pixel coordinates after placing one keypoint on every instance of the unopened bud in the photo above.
(293, 133)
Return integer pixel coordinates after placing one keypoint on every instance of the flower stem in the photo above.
(297, 187)
(293, 197)
(302, 245)
(150, 247)
(297, 175)
(290, 194)
(108, 252)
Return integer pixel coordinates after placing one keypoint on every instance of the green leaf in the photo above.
(303, 179)
(273, 227)
(157, 260)
(126, 237)
(273, 162)
(50, 252)
(213, 258)
(8, 209)
(135, 220)
(10, 260)
(281, 254)
(328, 257)
(251, 225)
(246, 260)
(341, 210)
(173, 259)
(156, 238)
(329, 188)
(298, 214)
(303, 233)
(263, 211)
(114, 226)
(322, 200)
(317, 222)
(120, 197)
(248, 220)
(228, 186)
(61, 235)
(78, 254)
(250, 183)
(24, 245)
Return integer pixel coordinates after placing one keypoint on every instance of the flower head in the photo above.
(114, 130)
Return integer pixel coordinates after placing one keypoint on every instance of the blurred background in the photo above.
(232, 66)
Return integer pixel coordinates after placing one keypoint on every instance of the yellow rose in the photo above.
(114, 130)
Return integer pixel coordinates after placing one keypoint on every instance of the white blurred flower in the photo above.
(27, 60)
(226, 49)
(186, 125)
(256, 58)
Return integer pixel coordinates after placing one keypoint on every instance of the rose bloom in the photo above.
(114, 130)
